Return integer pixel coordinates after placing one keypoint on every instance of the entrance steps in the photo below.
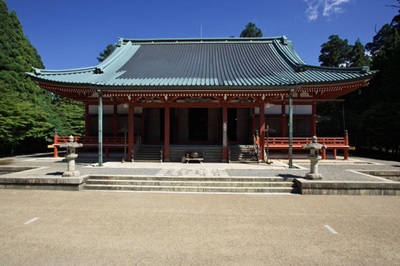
(196, 184)
(212, 153)
(242, 153)
(148, 153)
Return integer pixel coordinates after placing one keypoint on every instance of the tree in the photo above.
(21, 122)
(358, 57)
(251, 30)
(335, 52)
(396, 19)
(381, 126)
(17, 54)
(106, 52)
(68, 117)
(375, 112)
(379, 39)
(28, 114)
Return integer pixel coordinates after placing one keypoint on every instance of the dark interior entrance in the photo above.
(232, 124)
(198, 124)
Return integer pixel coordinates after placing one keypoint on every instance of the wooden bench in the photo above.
(188, 156)
(331, 143)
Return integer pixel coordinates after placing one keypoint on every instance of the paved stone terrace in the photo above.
(337, 170)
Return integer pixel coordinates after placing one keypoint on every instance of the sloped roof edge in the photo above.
(186, 62)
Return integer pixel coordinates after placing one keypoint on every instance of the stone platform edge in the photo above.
(306, 187)
(45, 183)
(312, 187)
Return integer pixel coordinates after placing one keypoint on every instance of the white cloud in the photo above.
(325, 7)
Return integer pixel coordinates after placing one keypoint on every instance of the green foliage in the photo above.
(379, 39)
(251, 30)
(107, 52)
(336, 52)
(17, 54)
(358, 56)
(381, 126)
(372, 114)
(381, 110)
(68, 117)
(28, 114)
(20, 121)
(330, 119)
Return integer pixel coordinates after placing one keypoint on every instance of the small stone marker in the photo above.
(71, 156)
(314, 158)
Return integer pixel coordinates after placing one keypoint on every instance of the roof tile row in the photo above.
(212, 63)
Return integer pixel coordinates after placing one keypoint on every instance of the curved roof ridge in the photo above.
(199, 40)
(208, 62)
(38, 71)
(118, 53)
(287, 51)
(362, 69)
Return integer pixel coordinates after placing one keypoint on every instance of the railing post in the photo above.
(55, 142)
(131, 131)
(291, 92)
(100, 128)
(346, 142)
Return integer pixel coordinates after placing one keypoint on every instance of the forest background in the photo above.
(30, 116)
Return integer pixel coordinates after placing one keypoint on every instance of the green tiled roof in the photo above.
(184, 63)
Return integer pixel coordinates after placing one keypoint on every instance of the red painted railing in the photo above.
(331, 143)
(90, 142)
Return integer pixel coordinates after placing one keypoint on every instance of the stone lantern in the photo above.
(71, 146)
(314, 158)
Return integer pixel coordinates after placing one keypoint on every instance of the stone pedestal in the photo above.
(313, 174)
(71, 170)
(71, 156)
(314, 158)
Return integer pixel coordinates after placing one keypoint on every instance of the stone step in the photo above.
(187, 183)
(191, 184)
(193, 189)
(239, 153)
(192, 178)
(212, 153)
(149, 153)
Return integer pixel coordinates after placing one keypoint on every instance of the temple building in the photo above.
(217, 92)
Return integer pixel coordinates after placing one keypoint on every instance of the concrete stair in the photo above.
(191, 184)
(212, 153)
(148, 153)
(242, 153)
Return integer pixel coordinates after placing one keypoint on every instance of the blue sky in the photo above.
(71, 34)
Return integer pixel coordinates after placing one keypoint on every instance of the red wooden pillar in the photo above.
(314, 119)
(131, 130)
(262, 131)
(166, 131)
(323, 154)
(224, 132)
(55, 142)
